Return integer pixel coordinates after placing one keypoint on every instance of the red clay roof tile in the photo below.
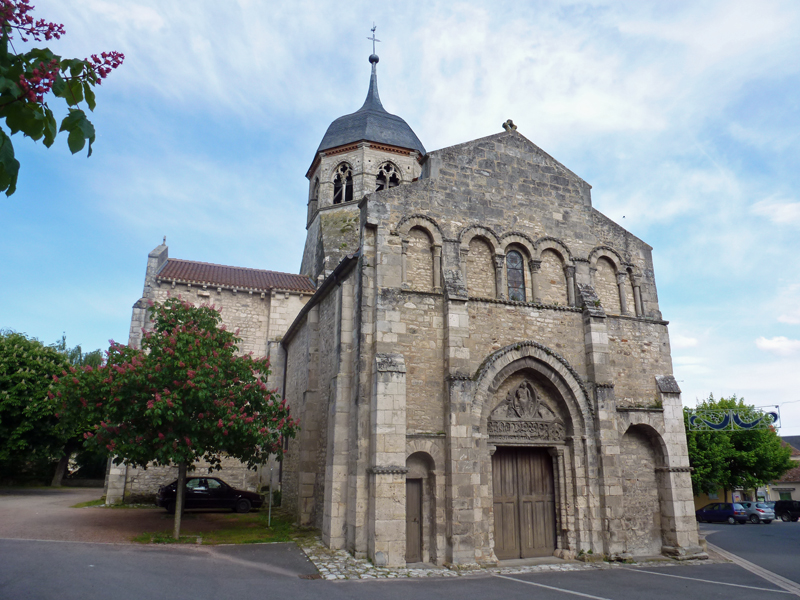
(258, 280)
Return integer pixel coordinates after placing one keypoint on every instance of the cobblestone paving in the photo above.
(338, 564)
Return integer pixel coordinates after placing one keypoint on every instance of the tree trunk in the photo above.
(61, 469)
(179, 500)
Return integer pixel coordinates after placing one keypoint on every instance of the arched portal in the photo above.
(639, 456)
(533, 411)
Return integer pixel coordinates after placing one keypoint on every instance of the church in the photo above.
(476, 356)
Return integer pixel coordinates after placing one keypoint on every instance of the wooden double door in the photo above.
(524, 503)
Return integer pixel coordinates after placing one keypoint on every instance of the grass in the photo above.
(216, 528)
(98, 502)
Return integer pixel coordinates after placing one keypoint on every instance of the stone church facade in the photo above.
(480, 366)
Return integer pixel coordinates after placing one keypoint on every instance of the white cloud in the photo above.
(780, 345)
(779, 211)
(679, 342)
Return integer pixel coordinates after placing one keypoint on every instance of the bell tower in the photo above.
(368, 151)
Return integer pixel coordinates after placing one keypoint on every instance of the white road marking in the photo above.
(749, 587)
(787, 584)
(550, 587)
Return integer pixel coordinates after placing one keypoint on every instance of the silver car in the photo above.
(759, 512)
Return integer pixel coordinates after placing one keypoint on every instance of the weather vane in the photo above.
(373, 37)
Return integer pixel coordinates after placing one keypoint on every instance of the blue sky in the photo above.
(684, 117)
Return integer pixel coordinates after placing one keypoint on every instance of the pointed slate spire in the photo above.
(371, 123)
(373, 101)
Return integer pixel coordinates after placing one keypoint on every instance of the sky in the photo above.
(683, 116)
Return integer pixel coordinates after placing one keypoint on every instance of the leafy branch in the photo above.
(28, 78)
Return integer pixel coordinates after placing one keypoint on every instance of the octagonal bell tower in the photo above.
(367, 151)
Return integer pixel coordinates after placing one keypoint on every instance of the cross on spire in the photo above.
(373, 39)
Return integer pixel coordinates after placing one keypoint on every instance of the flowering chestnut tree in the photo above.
(186, 395)
(27, 78)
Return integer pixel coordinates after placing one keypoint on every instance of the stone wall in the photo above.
(641, 510)
(422, 346)
(480, 270)
(142, 484)
(495, 325)
(551, 279)
(294, 392)
(605, 284)
(638, 350)
(419, 261)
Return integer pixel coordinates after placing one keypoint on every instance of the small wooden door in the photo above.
(413, 520)
(524, 503)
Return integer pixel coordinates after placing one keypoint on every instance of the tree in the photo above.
(28, 427)
(186, 395)
(743, 459)
(73, 441)
(26, 79)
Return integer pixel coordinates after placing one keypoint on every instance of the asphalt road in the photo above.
(40, 570)
(775, 547)
(49, 551)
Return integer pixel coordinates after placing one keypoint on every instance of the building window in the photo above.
(315, 190)
(515, 269)
(785, 495)
(387, 177)
(343, 184)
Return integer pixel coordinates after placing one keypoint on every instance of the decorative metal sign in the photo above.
(729, 419)
(523, 417)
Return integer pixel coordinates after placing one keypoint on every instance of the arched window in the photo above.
(315, 190)
(388, 177)
(343, 184)
(515, 271)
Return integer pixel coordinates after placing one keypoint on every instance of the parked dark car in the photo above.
(787, 510)
(718, 512)
(759, 512)
(209, 492)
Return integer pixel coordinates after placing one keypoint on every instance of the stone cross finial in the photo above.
(373, 37)
(165, 241)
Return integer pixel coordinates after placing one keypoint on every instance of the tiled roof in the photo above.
(794, 442)
(786, 443)
(791, 476)
(257, 280)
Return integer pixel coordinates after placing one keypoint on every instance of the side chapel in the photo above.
(476, 356)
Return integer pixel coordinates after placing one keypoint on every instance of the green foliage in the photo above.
(734, 459)
(184, 396)
(28, 426)
(27, 78)
(76, 356)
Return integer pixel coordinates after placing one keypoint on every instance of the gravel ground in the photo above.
(45, 514)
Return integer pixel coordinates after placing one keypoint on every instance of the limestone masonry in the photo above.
(476, 356)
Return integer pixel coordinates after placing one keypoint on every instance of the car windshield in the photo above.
(762, 505)
(737, 506)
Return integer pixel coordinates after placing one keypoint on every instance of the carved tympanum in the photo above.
(523, 417)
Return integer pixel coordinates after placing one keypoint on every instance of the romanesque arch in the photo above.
(532, 407)
(554, 244)
(551, 279)
(514, 238)
(421, 240)
(641, 461)
(424, 503)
